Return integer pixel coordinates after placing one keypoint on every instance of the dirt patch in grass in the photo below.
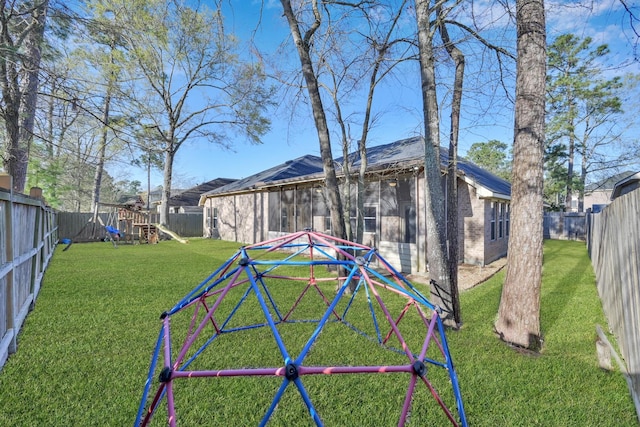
(468, 275)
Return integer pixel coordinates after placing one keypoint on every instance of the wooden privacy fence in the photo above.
(565, 225)
(614, 247)
(78, 226)
(27, 241)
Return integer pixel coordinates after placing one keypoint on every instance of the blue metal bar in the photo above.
(452, 373)
(242, 299)
(190, 296)
(373, 314)
(147, 384)
(266, 291)
(267, 314)
(274, 402)
(324, 318)
(307, 401)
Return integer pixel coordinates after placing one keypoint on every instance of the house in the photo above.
(291, 197)
(598, 194)
(186, 201)
(626, 185)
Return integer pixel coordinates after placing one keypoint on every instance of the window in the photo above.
(501, 221)
(320, 211)
(287, 211)
(214, 218)
(493, 220)
(506, 226)
(274, 211)
(370, 219)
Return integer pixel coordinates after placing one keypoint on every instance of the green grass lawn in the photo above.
(84, 352)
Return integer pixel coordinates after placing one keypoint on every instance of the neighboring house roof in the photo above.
(191, 196)
(626, 185)
(402, 154)
(607, 184)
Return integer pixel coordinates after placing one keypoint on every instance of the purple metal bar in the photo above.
(171, 410)
(187, 344)
(302, 370)
(403, 343)
(406, 406)
(427, 339)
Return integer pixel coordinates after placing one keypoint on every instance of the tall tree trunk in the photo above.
(519, 313)
(24, 96)
(319, 117)
(169, 157)
(441, 291)
(452, 166)
(105, 131)
(97, 181)
(570, 162)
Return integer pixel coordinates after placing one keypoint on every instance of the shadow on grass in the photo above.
(564, 272)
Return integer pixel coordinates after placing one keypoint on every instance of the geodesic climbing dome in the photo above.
(297, 295)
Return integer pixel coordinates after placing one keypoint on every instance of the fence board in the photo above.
(565, 225)
(614, 248)
(77, 226)
(27, 241)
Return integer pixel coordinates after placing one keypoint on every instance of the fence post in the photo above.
(6, 181)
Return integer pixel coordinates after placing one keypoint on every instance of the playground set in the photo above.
(126, 222)
(286, 283)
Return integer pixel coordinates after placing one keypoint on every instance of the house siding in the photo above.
(240, 218)
(495, 248)
(471, 215)
(245, 218)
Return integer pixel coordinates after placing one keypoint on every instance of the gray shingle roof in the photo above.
(301, 167)
(401, 154)
(410, 151)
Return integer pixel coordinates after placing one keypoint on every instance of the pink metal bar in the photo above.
(403, 343)
(230, 373)
(436, 396)
(171, 404)
(191, 339)
(322, 238)
(343, 241)
(282, 239)
(152, 407)
(295, 304)
(404, 311)
(213, 320)
(325, 370)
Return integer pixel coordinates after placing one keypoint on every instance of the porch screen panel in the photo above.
(389, 220)
(287, 211)
(407, 211)
(320, 211)
(303, 209)
(274, 211)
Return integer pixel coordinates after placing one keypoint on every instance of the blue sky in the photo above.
(400, 102)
